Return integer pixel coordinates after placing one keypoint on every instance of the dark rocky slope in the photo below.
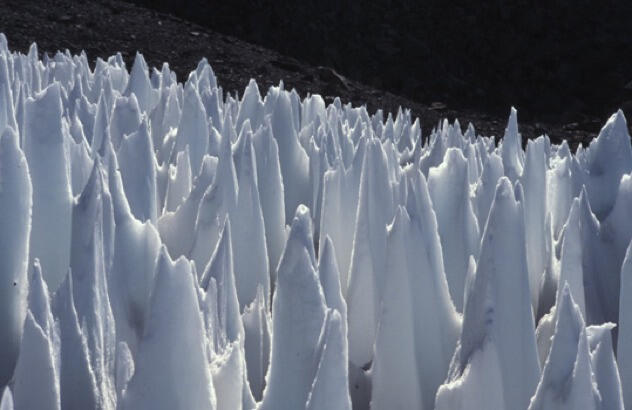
(104, 27)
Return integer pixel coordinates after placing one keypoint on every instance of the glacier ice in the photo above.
(169, 245)
(567, 380)
(15, 217)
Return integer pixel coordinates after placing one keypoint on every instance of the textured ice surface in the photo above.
(169, 246)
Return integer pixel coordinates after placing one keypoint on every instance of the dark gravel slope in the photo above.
(554, 58)
(104, 27)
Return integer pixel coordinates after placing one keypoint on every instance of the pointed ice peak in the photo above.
(243, 156)
(251, 257)
(206, 76)
(624, 341)
(35, 383)
(567, 368)
(15, 219)
(511, 131)
(330, 279)
(125, 118)
(178, 185)
(6, 403)
(512, 154)
(101, 130)
(616, 128)
(571, 270)
(174, 330)
(139, 83)
(193, 127)
(599, 334)
(77, 382)
(138, 171)
(298, 312)
(7, 113)
(4, 44)
(449, 189)
(44, 114)
(395, 375)
(251, 106)
(120, 204)
(607, 158)
(500, 303)
(301, 234)
(604, 365)
(586, 207)
(569, 322)
(88, 196)
(219, 200)
(220, 268)
(330, 389)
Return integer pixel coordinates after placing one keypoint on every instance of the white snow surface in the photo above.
(167, 245)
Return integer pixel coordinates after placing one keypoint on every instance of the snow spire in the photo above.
(534, 182)
(599, 284)
(298, 313)
(36, 382)
(395, 377)
(368, 257)
(486, 187)
(251, 255)
(449, 189)
(220, 268)
(219, 200)
(330, 389)
(624, 342)
(101, 128)
(271, 194)
(436, 334)
(571, 271)
(512, 153)
(250, 107)
(131, 278)
(177, 229)
(499, 304)
(604, 365)
(6, 402)
(607, 159)
(330, 281)
(125, 118)
(568, 367)
(138, 171)
(171, 367)
(292, 157)
(193, 128)
(140, 85)
(179, 182)
(52, 200)
(7, 113)
(15, 219)
(91, 296)
(77, 384)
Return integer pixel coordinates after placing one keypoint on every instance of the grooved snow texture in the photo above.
(166, 246)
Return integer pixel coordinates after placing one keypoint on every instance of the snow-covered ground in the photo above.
(166, 246)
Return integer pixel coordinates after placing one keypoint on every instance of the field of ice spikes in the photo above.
(166, 246)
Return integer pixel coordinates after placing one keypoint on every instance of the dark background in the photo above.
(557, 60)
(564, 65)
